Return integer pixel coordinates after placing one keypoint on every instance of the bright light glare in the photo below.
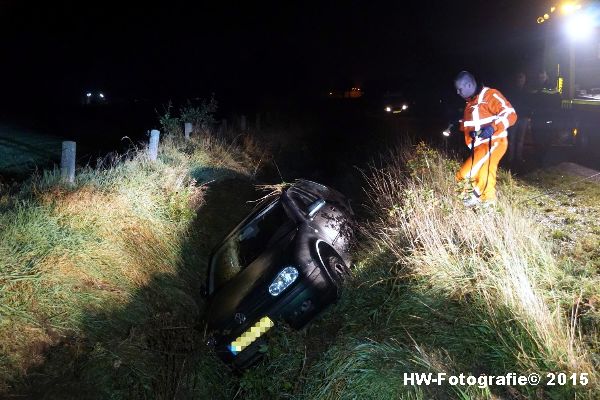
(88, 94)
(388, 109)
(448, 130)
(568, 8)
(404, 106)
(101, 95)
(580, 26)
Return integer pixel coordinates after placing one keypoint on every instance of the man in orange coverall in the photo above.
(487, 116)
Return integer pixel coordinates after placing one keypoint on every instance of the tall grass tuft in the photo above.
(98, 273)
(495, 261)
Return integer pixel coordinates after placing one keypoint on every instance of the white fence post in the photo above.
(243, 123)
(153, 148)
(67, 162)
(187, 129)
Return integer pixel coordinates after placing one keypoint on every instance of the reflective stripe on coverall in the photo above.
(488, 107)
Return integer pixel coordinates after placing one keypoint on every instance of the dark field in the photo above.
(323, 139)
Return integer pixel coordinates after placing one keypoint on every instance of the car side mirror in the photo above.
(314, 207)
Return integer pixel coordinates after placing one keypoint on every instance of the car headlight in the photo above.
(284, 278)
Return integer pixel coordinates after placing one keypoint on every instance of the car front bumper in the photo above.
(241, 346)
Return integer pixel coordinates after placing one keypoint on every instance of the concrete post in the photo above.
(187, 129)
(67, 162)
(153, 147)
(243, 123)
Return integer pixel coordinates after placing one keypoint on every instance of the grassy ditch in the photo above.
(99, 282)
(443, 289)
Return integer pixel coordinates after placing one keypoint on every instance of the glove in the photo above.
(486, 132)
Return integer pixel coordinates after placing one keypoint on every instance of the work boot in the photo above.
(471, 201)
(488, 204)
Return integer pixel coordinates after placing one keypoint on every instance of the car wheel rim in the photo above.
(338, 268)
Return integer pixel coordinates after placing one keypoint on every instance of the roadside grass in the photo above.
(440, 288)
(569, 212)
(22, 150)
(99, 281)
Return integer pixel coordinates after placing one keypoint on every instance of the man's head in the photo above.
(465, 84)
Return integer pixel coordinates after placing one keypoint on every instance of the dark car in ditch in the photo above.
(282, 264)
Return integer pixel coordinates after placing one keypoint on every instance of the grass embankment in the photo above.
(441, 288)
(99, 282)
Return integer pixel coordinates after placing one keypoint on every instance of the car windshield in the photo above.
(238, 251)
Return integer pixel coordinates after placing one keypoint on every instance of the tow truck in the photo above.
(568, 114)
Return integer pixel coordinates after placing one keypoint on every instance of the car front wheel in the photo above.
(339, 271)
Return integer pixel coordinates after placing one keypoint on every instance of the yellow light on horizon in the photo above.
(568, 8)
(546, 16)
(540, 20)
(552, 9)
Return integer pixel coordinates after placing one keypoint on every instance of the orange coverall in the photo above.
(489, 106)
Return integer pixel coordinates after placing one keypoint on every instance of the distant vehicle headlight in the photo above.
(284, 278)
(404, 106)
(388, 109)
(101, 95)
(88, 95)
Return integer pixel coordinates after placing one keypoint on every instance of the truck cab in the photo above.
(567, 112)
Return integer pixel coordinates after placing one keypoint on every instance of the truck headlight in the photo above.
(284, 278)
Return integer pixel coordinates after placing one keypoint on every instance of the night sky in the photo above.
(56, 51)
